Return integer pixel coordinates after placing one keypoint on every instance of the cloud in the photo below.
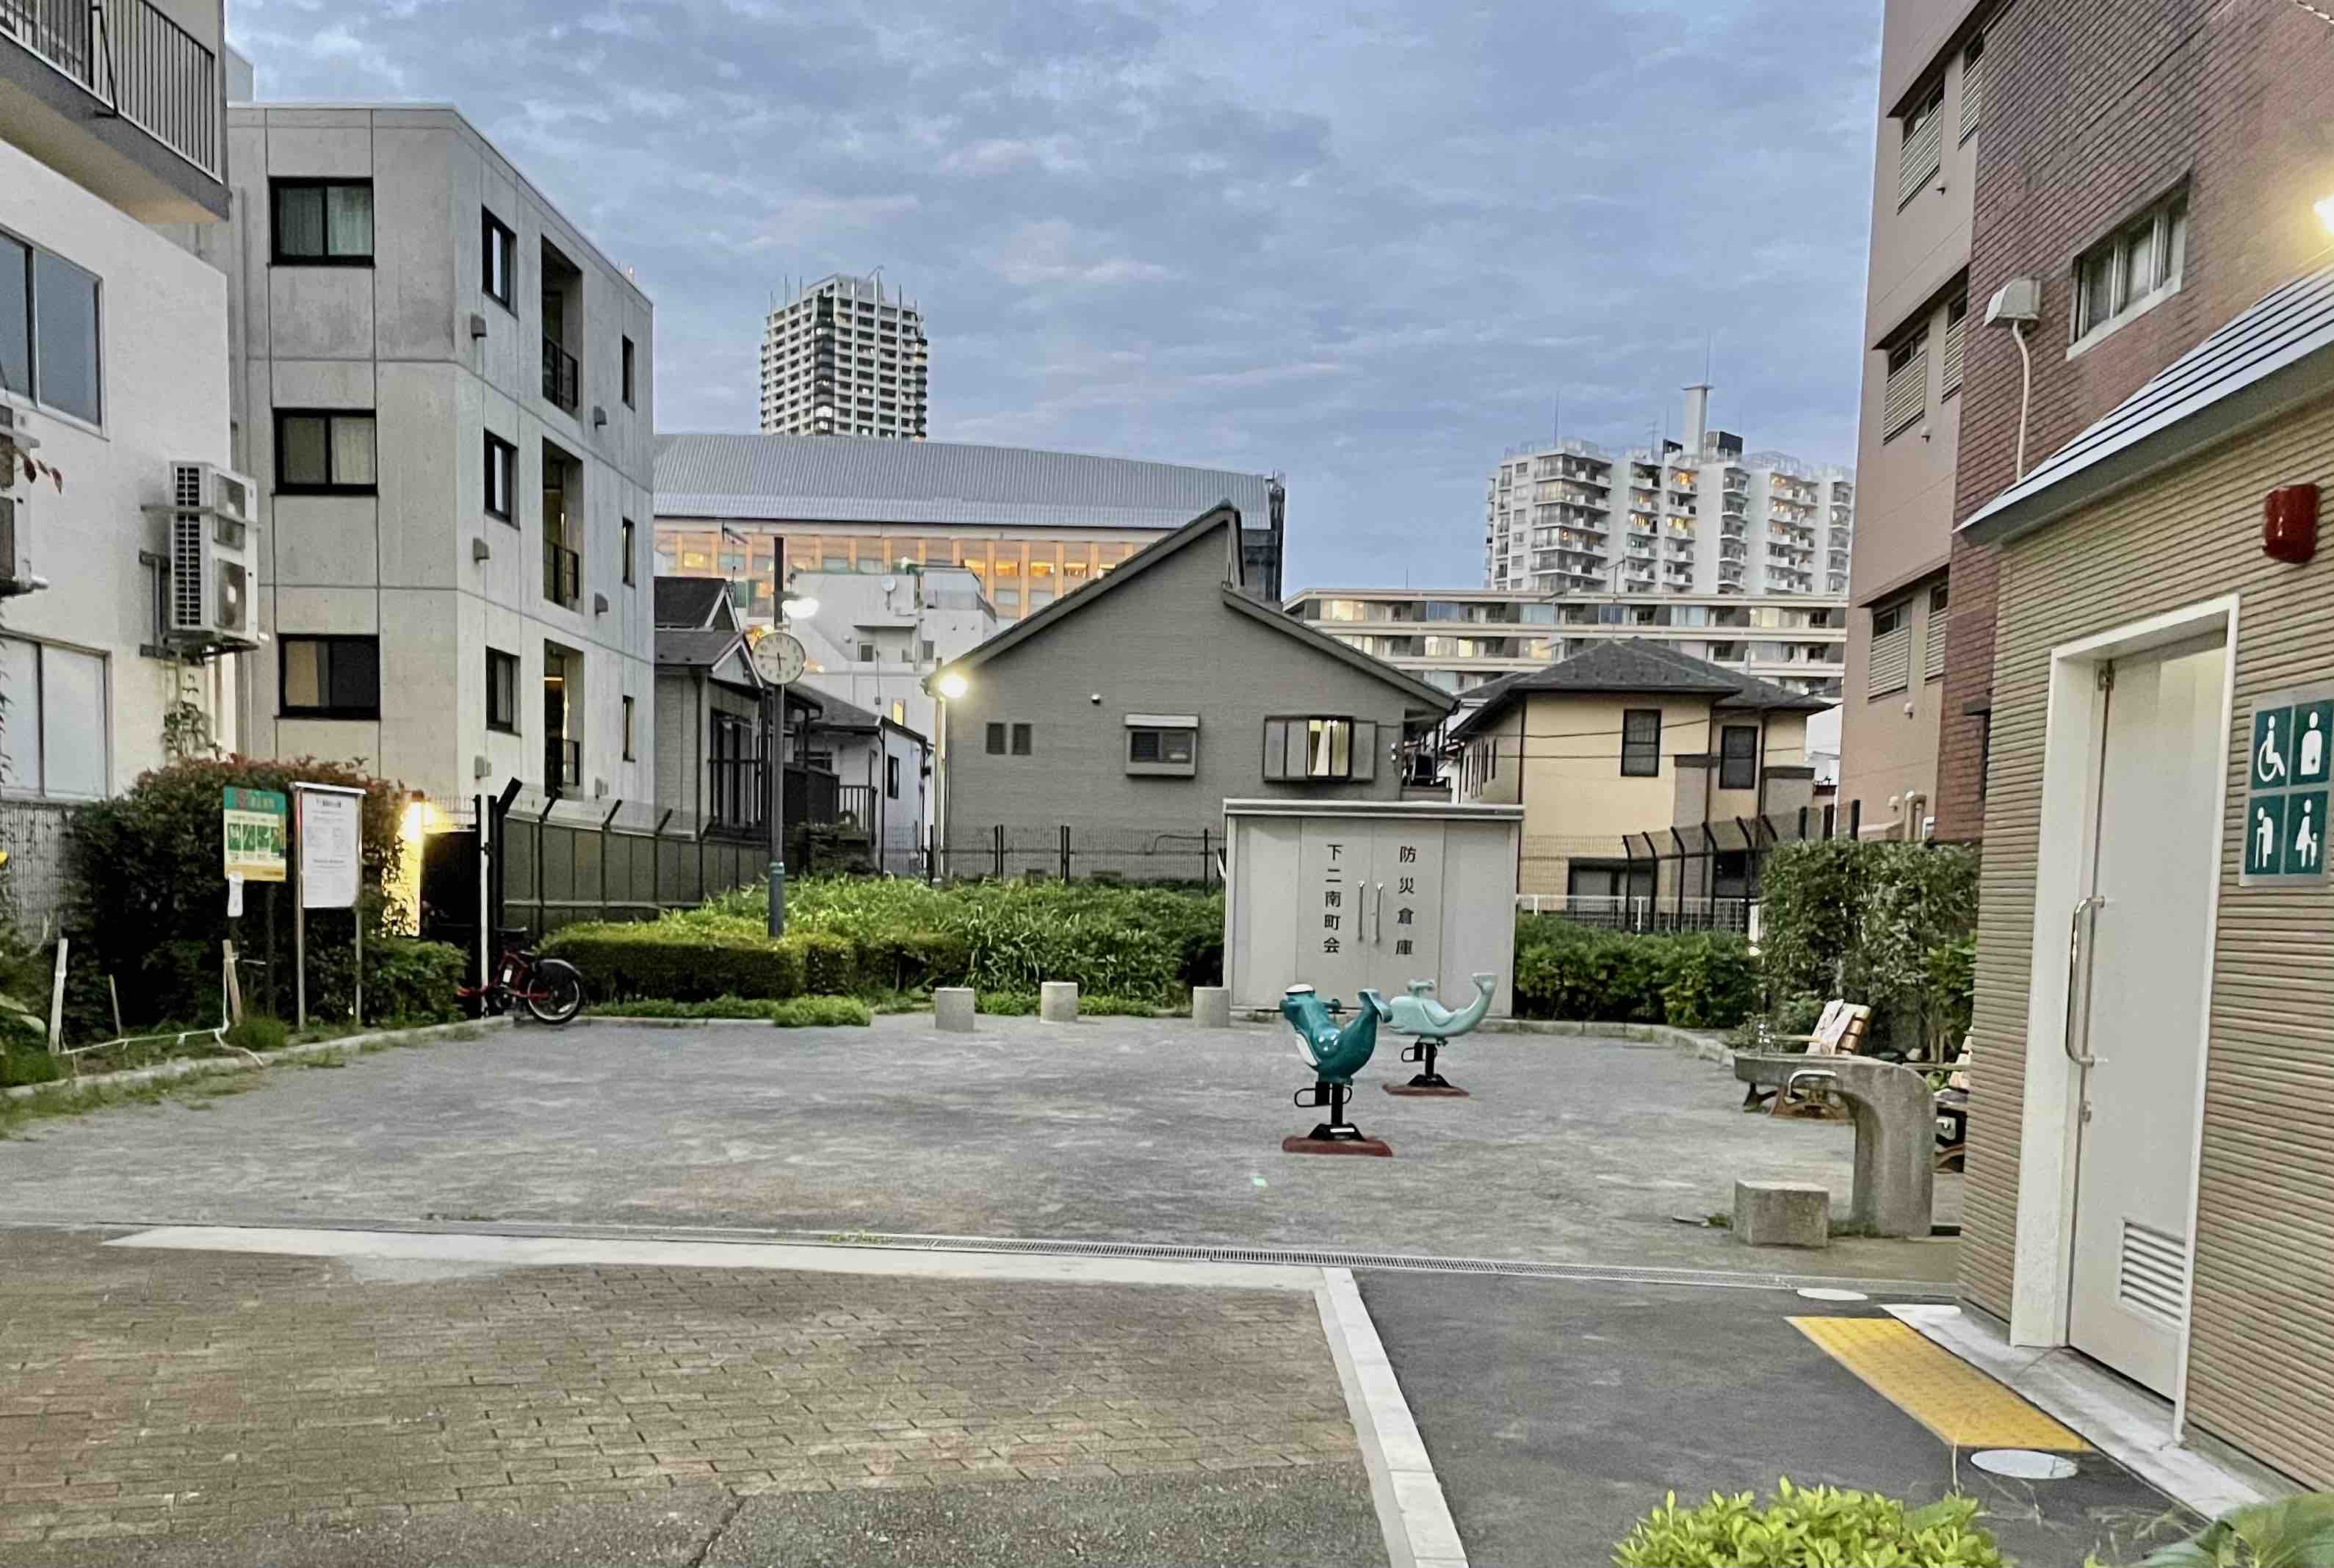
(1369, 247)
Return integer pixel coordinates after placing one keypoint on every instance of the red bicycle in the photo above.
(550, 989)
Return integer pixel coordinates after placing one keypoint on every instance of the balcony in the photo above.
(563, 574)
(562, 377)
(563, 763)
(119, 98)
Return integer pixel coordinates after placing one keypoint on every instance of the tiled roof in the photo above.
(2266, 359)
(694, 646)
(688, 601)
(854, 479)
(1636, 665)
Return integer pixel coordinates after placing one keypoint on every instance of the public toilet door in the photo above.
(1369, 909)
(2153, 856)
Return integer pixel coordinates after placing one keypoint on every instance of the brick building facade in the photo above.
(2095, 113)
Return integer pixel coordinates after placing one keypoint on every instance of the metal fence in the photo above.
(1193, 854)
(1694, 877)
(1643, 912)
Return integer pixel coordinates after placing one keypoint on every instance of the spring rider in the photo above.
(1334, 1054)
(1431, 1026)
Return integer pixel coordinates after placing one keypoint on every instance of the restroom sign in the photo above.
(2288, 768)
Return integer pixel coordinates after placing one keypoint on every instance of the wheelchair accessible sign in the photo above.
(2286, 779)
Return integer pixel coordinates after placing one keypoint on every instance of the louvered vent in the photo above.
(2152, 1274)
(187, 572)
(186, 484)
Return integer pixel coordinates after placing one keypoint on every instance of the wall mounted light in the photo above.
(2324, 209)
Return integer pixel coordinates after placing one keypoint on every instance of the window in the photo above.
(1888, 619)
(864, 652)
(497, 259)
(892, 778)
(1907, 395)
(330, 676)
(1923, 151)
(322, 222)
(628, 729)
(502, 691)
(2132, 269)
(1972, 84)
(627, 537)
(1641, 742)
(1939, 599)
(502, 459)
(1021, 740)
(1738, 757)
(1891, 667)
(996, 740)
(1320, 750)
(1162, 744)
(54, 740)
(628, 372)
(48, 331)
(319, 452)
(1956, 337)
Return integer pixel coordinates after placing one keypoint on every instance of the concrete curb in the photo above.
(1411, 1509)
(195, 1067)
(1709, 1047)
(675, 1023)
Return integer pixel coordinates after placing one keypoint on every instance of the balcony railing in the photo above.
(562, 377)
(563, 574)
(134, 60)
(563, 763)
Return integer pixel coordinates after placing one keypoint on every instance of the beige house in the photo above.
(1644, 774)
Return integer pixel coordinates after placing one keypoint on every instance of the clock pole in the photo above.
(778, 658)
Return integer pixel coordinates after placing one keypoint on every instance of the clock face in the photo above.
(778, 658)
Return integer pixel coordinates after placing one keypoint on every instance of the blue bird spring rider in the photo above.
(1335, 1053)
(1431, 1026)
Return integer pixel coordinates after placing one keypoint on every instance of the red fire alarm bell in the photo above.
(2289, 522)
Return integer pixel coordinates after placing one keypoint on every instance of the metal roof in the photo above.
(689, 601)
(2267, 360)
(855, 479)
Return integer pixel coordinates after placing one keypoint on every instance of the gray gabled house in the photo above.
(1126, 713)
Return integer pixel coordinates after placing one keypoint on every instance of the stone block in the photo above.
(1057, 1001)
(952, 1009)
(1783, 1214)
(1211, 1006)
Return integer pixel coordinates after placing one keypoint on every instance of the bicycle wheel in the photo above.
(556, 992)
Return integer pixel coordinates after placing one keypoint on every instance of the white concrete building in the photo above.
(113, 378)
(875, 637)
(446, 393)
(843, 358)
(1461, 638)
(1701, 516)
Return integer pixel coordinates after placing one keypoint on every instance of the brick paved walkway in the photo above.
(160, 1392)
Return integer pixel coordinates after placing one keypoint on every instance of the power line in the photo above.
(2323, 16)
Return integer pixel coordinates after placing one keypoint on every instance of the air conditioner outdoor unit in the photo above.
(211, 568)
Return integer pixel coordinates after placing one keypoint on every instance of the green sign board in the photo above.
(2286, 774)
(253, 834)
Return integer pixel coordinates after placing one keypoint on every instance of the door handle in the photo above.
(2075, 978)
(1377, 919)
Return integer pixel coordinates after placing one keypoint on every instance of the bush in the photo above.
(406, 980)
(822, 1013)
(1024, 1005)
(258, 1032)
(678, 959)
(2287, 1533)
(23, 1065)
(1569, 971)
(794, 1013)
(1814, 1526)
(1863, 920)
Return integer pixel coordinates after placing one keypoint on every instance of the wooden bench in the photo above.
(1952, 1113)
(1840, 1031)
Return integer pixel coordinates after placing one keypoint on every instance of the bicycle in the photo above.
(550, 989)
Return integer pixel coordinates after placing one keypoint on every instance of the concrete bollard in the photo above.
(1057, 1001)
(1211, 1006)
(952, 1009)
(1781, 1214)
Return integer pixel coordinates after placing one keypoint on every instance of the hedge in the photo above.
(1883, 923)
(1694, 981)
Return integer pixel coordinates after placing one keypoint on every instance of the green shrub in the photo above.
(678, 959)
(1863, 920)
(2289, 1533)
(258, 1032)
(1815, 1526)
(1024, 1005)
(822, 1013)
(21, 1064)
(1568, 971)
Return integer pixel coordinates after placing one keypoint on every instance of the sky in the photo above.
(1367, 246)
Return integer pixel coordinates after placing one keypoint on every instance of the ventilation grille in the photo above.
(187, 572)
(2152, 1274)
(186, 484)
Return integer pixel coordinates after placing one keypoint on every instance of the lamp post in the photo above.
(942, 685)
(779, 658)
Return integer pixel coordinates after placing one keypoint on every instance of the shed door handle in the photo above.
(2075, 977)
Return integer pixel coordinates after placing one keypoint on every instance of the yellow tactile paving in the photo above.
(1947, 1395)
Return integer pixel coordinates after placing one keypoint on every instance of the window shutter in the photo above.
(1972, 85)
(1907, 395)
(1932, 653)
(1892, 662)
(1366, 751)
(1276, 749)
(1954, 336)
(1922, 154)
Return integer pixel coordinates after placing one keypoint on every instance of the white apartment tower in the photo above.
(841, 358)
(1698, 516)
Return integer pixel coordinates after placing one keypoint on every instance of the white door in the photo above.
(2154, 853)
(1406, 924)
(1333, 907)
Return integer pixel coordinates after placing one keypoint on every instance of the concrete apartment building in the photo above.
(1032, 526)
(127, 579)
(1698, 517)
(2138, 666)
(1461, 640)
(875, 638)
(1933, 95)
(841, 358)
(446, 393)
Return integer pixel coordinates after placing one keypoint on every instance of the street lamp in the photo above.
(951, 685)
(944, 687)
(2324, 209)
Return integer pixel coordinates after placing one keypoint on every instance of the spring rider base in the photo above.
(1337, 1135)
(1428, 1081)
(1334, 1054)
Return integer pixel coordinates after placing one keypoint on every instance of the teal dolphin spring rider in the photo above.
(1431, 1026)
(1334, 1054)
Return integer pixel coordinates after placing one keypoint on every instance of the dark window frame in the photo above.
(286, 642)
(1738, 770)
(1899, 615)
(993, 738)
(891, 778)
(497, 237)
(284, 487)
(1640, 757)
(629, 373)
(498, 664)
(628, 755)
(628, 534)
(1024, 740)
(1162, 740)
(32, 326)
(496, 448)
(278, 256)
